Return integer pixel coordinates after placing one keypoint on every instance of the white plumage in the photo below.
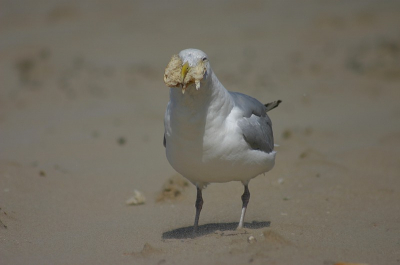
(213, 135)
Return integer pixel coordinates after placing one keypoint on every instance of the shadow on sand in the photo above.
(187, 232)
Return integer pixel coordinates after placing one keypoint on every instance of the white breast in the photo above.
(207, 146)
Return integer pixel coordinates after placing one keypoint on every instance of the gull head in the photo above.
(189, 67)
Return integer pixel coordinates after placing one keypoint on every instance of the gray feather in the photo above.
(257, 132)
(256, 125)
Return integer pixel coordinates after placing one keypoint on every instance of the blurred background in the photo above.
(82, 102)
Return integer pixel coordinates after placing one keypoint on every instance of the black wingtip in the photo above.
(272, 105)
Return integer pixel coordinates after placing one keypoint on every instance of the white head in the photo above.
(192, 58)
(190, 67)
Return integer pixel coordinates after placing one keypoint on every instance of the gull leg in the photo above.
(245, 200)
(199, 205)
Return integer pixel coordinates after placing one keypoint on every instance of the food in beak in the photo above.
(182, 74)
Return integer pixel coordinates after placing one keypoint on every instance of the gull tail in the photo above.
(272, 105)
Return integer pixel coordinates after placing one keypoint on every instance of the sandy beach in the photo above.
(82, 103)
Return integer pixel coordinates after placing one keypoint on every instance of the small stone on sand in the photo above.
(137, 198)
(251, 240)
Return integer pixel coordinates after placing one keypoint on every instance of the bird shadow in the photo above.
(187, 232)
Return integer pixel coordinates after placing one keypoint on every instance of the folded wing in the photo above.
(256, 126)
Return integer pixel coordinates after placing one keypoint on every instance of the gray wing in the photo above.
(256, 125)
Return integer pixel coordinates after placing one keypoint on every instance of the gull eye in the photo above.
(204, 59)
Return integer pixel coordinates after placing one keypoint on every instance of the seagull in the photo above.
(213, 135)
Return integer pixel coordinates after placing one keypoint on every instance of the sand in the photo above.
(82, 101)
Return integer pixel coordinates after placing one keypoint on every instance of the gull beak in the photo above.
(184, 71)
